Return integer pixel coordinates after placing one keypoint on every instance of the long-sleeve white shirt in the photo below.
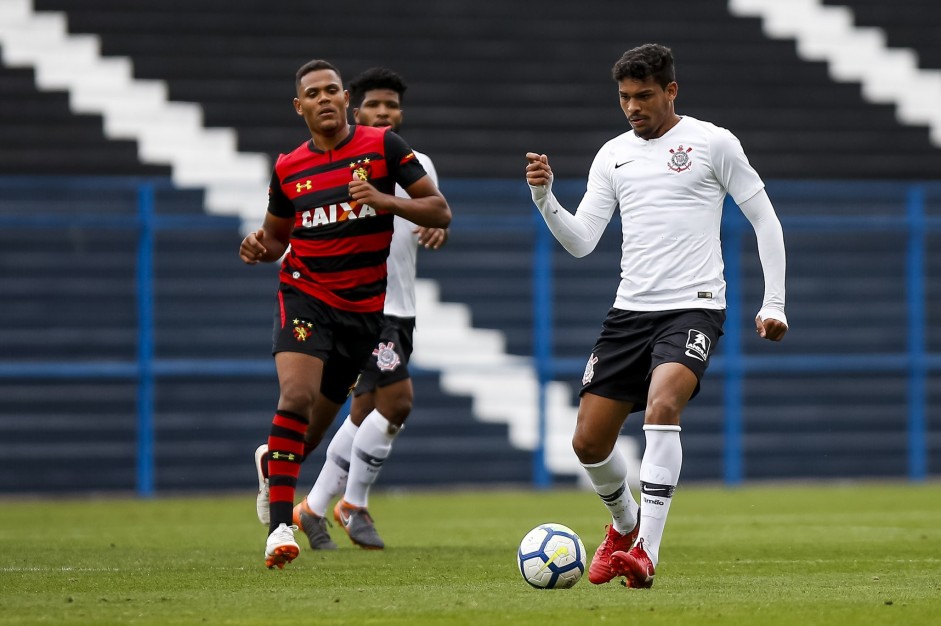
(670, 191)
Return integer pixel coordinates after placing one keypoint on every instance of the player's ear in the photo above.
(297, 107)
(356, 115)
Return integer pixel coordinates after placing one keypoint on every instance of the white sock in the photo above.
(332, 478)
(371, 447)
(659, 474)
(609, 478)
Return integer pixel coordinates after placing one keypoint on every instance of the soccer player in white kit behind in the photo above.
(668, 176)
(382, 398)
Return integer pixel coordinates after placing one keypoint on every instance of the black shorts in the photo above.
(343, 340)
(633, 343)
(388, 362)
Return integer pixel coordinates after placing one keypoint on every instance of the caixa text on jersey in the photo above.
(333, 213)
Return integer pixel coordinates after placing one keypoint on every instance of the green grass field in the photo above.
(769, 555)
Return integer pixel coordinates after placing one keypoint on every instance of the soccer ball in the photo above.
(551, 556)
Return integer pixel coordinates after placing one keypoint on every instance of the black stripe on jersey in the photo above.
(335, 195)
(344, 262)
(362, 292)
(342, 164)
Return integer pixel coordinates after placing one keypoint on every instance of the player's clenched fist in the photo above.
(538, 172)
(252, 250)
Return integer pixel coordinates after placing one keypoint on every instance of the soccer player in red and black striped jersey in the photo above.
(332, 201)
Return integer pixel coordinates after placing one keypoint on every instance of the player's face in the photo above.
(322, 102)
(380, 107)
(648, 106)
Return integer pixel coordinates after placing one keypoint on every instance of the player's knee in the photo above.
(358, 413)
(297, 398)
(662, 411)
(397, 410)
(588, 450)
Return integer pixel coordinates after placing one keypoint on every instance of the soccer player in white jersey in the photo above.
(668, 177)
(382, 398)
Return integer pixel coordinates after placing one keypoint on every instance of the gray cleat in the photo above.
(314, 526)
(358, 524)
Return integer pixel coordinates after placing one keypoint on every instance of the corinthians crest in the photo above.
(589, 369)
(680, 160)
(362, 169)
(386, 357)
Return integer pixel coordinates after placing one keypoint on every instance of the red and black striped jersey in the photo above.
(339, 247)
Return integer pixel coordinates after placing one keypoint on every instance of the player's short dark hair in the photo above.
(648, 60)
(313, 66)
(376, 78)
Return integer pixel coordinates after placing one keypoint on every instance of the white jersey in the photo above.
(670, 192)
(401, 264)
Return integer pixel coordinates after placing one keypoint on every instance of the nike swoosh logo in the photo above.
(617, 165)
(560, 551)
(345, 519)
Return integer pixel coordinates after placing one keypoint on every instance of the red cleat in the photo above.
(600, 571)
(635, 566)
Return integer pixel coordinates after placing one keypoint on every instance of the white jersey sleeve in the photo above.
(579, 233)
(731, 166)
(744, 185)
(770, 237)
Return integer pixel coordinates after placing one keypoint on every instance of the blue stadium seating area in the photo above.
(479, 98)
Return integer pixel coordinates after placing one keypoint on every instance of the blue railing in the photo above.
(146, 368)
(733, 364)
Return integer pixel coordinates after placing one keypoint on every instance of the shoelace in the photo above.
(640, 544)
(608, 543)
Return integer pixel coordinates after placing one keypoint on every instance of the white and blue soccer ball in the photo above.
(551, 556)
